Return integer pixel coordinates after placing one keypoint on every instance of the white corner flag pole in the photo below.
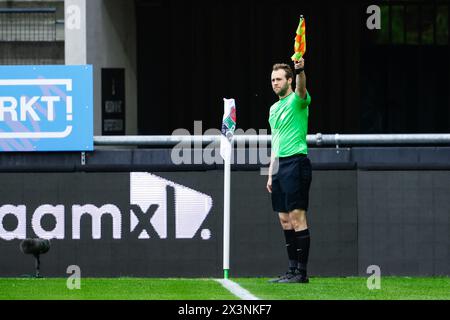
(226, 218)
(226, 145)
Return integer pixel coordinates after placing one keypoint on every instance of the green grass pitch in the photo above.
(319, 288)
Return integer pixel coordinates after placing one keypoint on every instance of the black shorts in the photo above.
(290, 185)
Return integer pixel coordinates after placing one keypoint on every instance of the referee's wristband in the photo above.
(298, 71)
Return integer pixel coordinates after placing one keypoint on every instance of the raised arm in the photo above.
(300, 79)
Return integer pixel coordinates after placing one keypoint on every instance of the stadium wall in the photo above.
(106, 39)
(111, 43)
(368, 206)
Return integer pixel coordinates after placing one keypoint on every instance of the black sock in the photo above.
(302, 240)
(291, 248)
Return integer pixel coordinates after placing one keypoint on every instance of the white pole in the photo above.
(226, 218)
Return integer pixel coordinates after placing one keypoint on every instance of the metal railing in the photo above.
(312, 139)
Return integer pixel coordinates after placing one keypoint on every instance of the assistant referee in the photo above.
(290, 168)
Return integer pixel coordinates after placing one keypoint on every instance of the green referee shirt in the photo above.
(289, 124)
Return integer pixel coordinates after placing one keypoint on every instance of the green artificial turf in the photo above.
(113, 289)
(351, 288)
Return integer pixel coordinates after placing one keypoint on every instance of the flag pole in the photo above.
(226, 146)
(226, 219)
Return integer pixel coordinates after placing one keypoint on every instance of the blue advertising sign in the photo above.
(46, 108)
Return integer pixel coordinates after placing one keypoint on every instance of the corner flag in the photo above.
(228, 127)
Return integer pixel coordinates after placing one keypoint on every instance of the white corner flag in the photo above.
(228, 127)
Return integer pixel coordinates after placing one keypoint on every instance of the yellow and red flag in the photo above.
(300, 40)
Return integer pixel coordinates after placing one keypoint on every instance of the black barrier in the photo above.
(45, 201)
(161, 224)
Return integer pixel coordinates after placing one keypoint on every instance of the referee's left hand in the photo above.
(269, 184)
(300, 64)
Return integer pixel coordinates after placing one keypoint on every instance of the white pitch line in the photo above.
(236, 289)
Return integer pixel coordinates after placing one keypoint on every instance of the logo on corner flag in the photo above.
(228, 127)
(229, 118)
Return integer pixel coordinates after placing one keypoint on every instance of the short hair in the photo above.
(287, 69)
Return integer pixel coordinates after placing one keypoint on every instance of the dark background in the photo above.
(191, 54)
